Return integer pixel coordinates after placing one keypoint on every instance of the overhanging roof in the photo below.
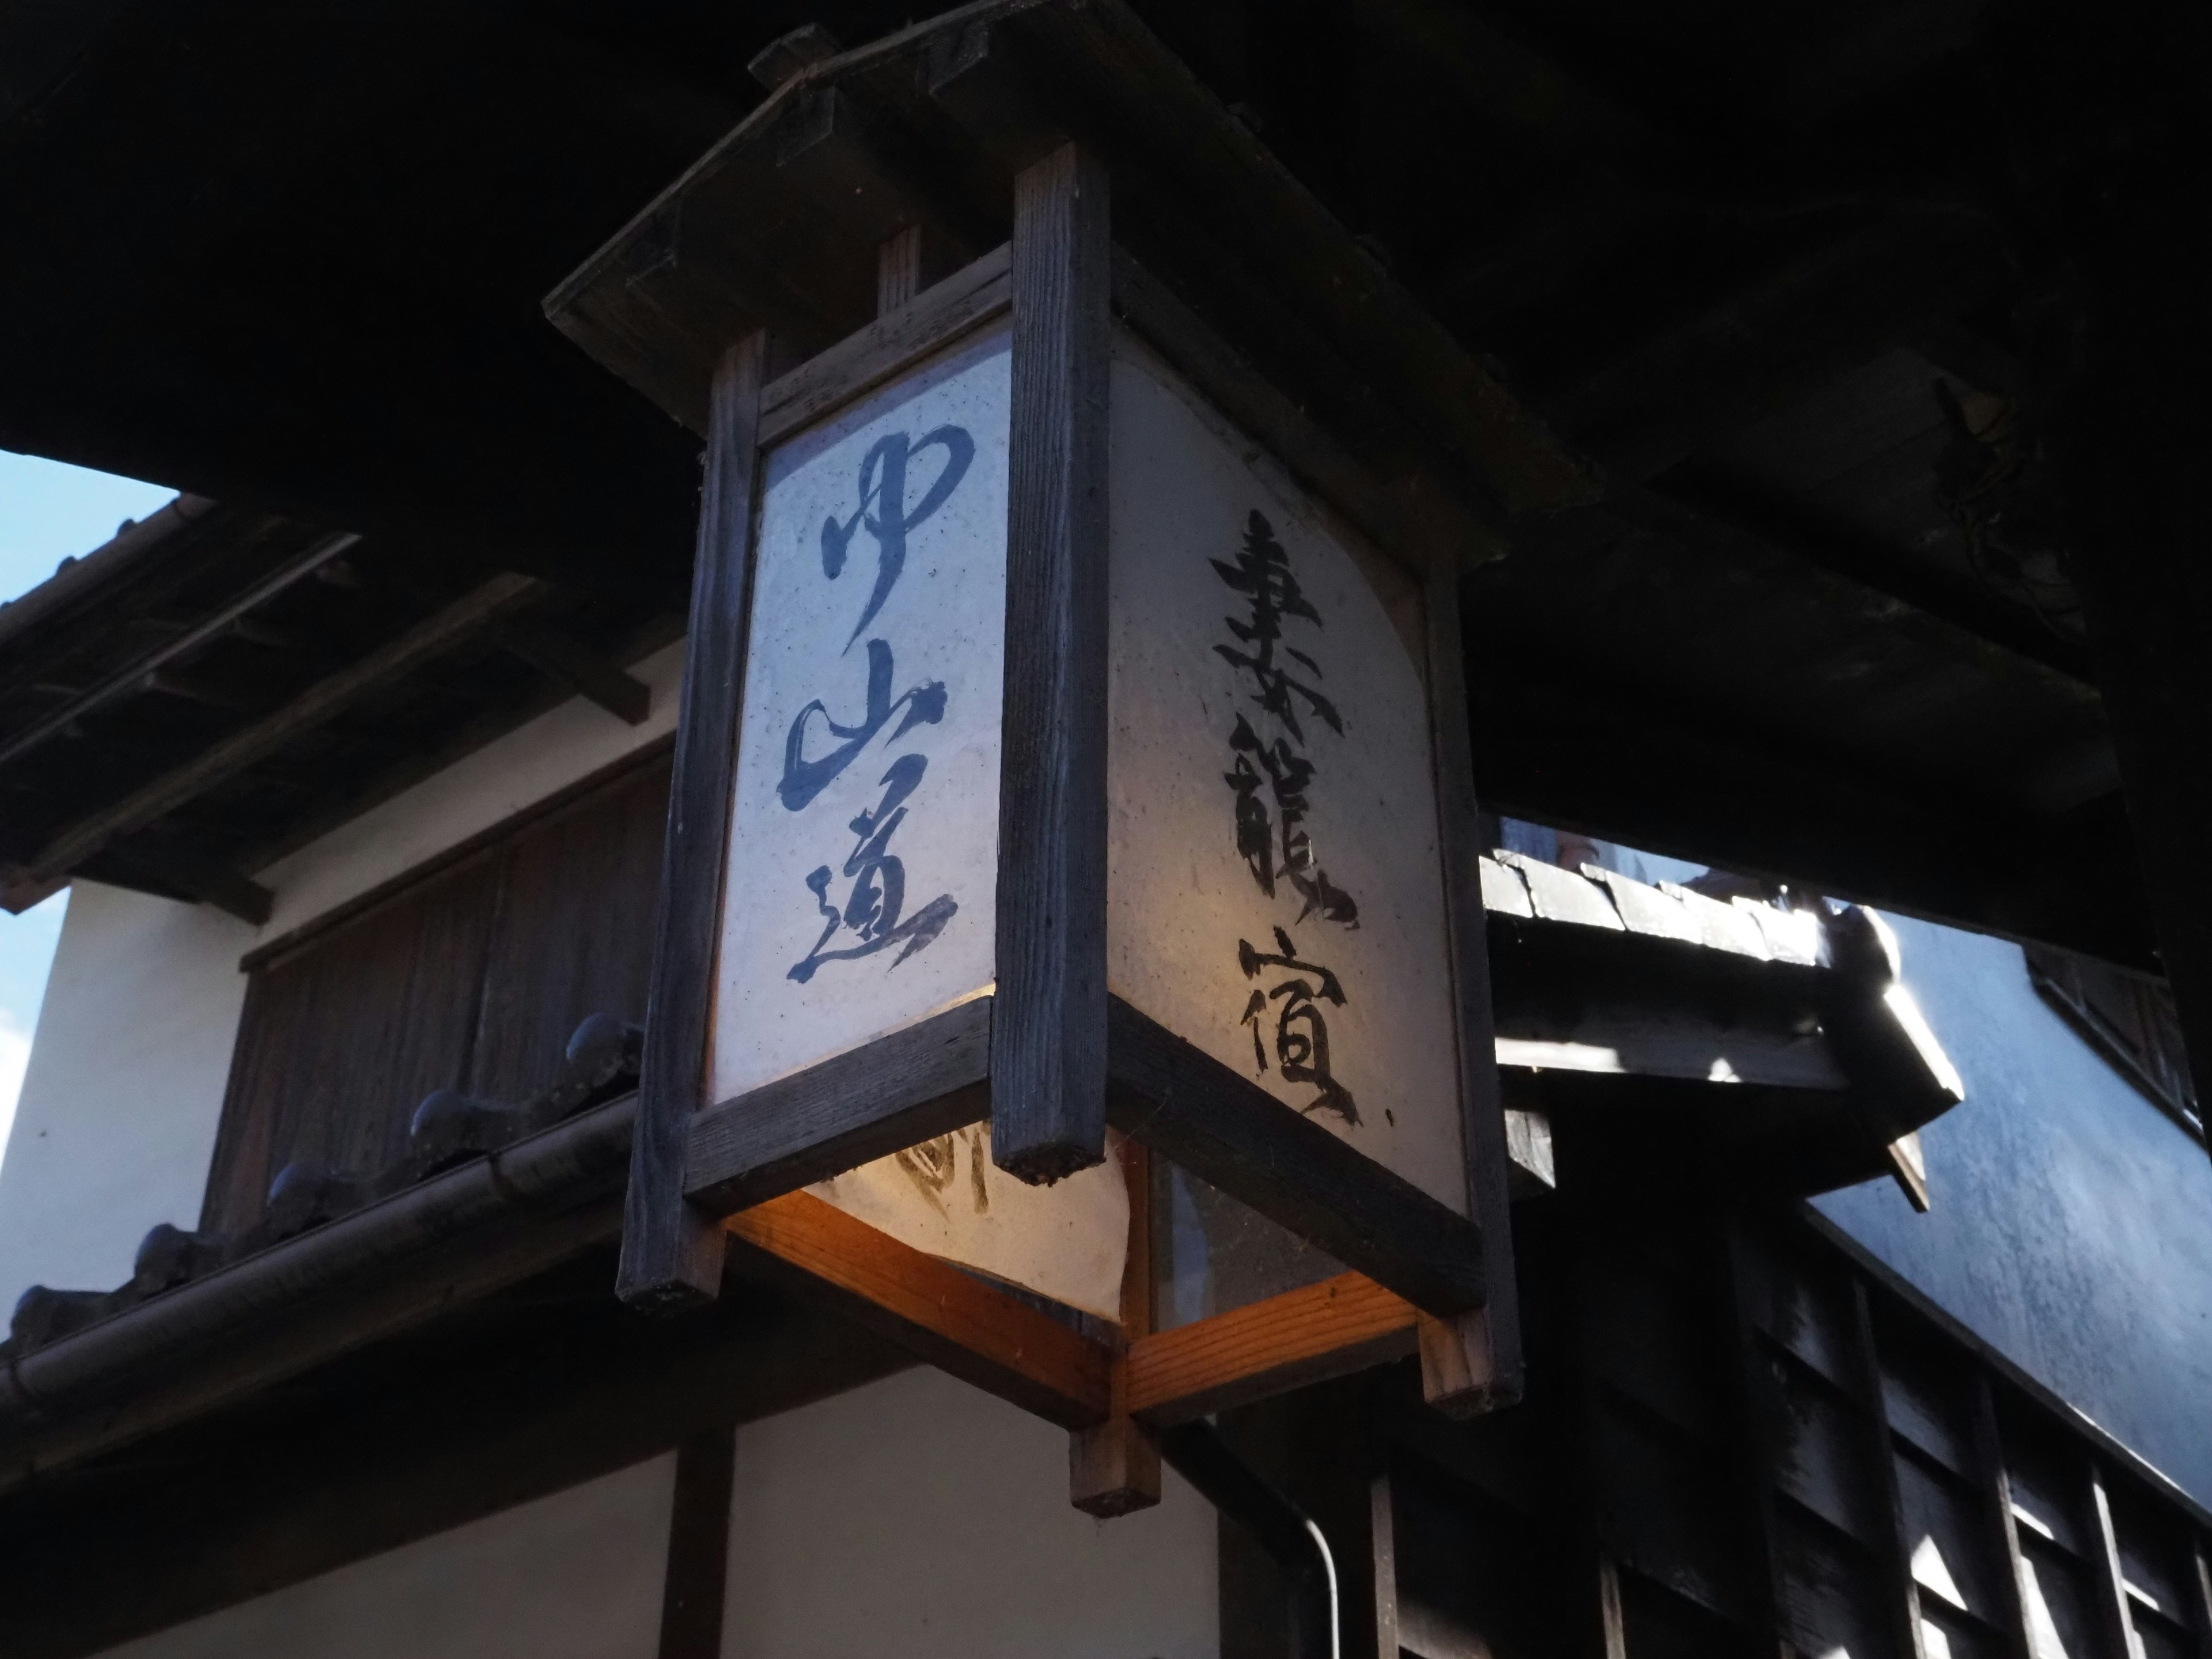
(1727, 266)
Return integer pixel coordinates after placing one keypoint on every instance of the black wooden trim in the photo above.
(671, 1254)
(1226, 1129)
(927, 1079)
(698, 1546)
(569, 794)
(1048, 1039)
(1482, 1109)
(975, 295)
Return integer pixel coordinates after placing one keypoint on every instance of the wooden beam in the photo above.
(207, 880)
(1307, 1335)
(928, 1079)
(583, 671)
(1227, 1130)
(976, 294)
(1479, 1366)
(952, 1319)
(465, 619)
(1048, 1038)
(672, 1254)
(319, 557)
(698, 1547)
(1114, 1466)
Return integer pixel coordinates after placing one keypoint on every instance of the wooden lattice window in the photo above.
(2130, 1018)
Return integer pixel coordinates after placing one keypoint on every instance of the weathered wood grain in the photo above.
(671, 1253)
(465, 619)
(1307, 1335)
(928, 1079)
(902, 336)
(1049, 1037)
(1497, 1378)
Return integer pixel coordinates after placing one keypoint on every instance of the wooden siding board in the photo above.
(574, 936)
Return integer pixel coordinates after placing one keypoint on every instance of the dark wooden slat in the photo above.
(127, 680)
(938, 314)
(928, 1079)
(339, 1042)
(465, 619)
(698, 1547)
(572, 934)
(898, 270)
(1227, 1130)
(1049, 1037)
(611, 775)
(1895, 1548)
(1494, 1372)
(583, 671)
(673, 1253)
(1303, 1336)
(951, 1319)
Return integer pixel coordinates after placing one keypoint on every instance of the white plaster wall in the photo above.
(117, 1120)
(117, 1116)
(575, 1575)
(921, 1517)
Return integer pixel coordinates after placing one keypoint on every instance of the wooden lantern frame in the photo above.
(1030, 84)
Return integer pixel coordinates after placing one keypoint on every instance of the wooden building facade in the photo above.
(1710, 427)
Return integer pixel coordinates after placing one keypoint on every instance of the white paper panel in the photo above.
(867, 778)
(1303, 764)
(868, 781)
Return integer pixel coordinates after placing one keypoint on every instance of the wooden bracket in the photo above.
(671, 1254)
(1114, 1468)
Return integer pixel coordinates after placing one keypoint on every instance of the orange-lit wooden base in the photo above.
(1114, 1398)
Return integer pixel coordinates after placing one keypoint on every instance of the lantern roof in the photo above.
(778, 227)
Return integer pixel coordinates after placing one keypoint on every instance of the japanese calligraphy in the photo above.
(1270, 779)
(1301, 1035)
(872, 910)
(883, 486)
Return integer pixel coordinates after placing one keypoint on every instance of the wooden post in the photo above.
(1471, 1362)
(671, 1253)
(698, 1547)
(1049, 1034)
(1114, 1468)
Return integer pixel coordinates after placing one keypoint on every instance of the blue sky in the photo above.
(48, 512)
